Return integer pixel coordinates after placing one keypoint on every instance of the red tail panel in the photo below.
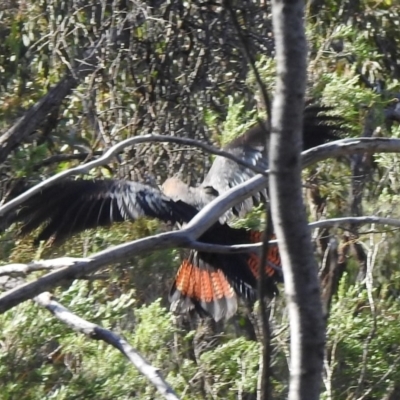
(200, 286)
(209, 283)
(273, 258)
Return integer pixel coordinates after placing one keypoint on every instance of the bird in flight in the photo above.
(209, 283)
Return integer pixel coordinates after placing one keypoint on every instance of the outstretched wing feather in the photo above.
(72, 206)
(318, 127)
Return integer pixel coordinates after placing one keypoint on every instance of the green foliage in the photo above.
(254, 220)
(237, 121)
(91, 369)
(353, 48)
(363, 340)
(233, 367)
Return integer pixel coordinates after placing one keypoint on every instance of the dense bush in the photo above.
(177, 68)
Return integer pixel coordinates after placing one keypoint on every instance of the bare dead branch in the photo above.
(37, 113)
(47, 282)
(97, 332)
(199, 224)
(25, 269)
(263, 384)
(261, 87)
(349, 146)
(309, 157)
(65, 157)
(108, 156)
(341, 222)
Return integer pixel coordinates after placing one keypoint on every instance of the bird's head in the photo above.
(175, 188)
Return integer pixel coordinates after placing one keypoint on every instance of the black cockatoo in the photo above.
(206, 282)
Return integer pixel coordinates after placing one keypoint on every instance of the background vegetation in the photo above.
(176, 68)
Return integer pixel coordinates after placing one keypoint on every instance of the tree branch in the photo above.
(349, 146)
(340, 222)
(70, 268)
(261, 87)
(37, 113)
(49, 281)
(257, 183)
(263, 385)
(197, 226)
(25, 269)
(108, 156)
(58, 158)
(97, 332)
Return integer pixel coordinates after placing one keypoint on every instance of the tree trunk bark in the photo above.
(307, 325)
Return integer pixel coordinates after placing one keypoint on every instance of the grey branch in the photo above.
(25, 269)
(32, 119)
(339, 222)
(108, 156)
(309, 157)
(116, 254)
(197, 226)
(211, 213)
(350, 146)
(99, 333)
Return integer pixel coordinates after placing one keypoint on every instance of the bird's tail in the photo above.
(210, 283)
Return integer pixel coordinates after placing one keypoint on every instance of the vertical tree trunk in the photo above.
(307, 326)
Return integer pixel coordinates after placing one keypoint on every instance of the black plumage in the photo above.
(71, 206)
(205, 282)
(318, 128)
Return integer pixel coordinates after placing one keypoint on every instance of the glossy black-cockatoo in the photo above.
(207, 282)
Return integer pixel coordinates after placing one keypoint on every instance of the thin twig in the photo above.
(251, 61)
(383, 378)
(337, 222)
(57, 158)
(263, 386)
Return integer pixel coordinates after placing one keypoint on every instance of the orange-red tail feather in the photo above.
(273, 263)
(201, 287)
(209, 283)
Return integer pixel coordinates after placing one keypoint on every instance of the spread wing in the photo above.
(318, 128)
(225, 174)
(70, 207)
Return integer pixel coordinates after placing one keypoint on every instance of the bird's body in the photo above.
(205, 282)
